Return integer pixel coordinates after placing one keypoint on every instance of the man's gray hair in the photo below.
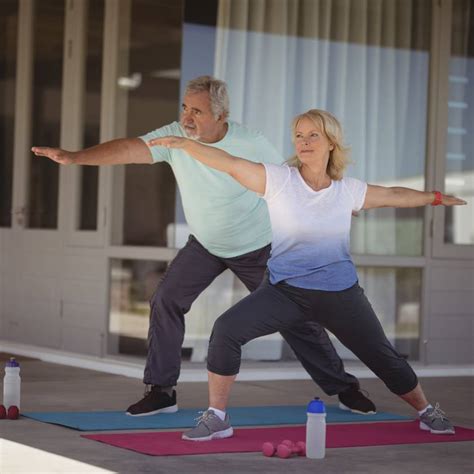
(217, 93)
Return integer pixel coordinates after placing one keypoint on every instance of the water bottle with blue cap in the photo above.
(11, 384)
(316, 429)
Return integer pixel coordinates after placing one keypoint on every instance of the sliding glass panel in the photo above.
(459, 177)
(8, 52)
(153, 52)
(89, 189)
(366, 62)
(47, 85)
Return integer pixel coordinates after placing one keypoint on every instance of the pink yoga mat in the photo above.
(247, 440)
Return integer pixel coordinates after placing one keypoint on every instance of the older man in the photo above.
(230, 229)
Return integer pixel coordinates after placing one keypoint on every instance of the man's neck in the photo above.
(220, 134)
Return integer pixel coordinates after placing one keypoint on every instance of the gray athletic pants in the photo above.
(191, 272)
(281, 307)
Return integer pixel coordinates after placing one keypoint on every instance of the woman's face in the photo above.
(311, 144)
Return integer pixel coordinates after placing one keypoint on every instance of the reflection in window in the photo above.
(132, 284)
(459, 178)
(93, 83)
(8, 35)
(47, 84)
(366, 62)
(151, 87)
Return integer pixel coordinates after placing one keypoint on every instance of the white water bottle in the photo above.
(316, 430)
(11, 384)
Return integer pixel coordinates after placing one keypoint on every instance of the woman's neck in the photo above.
(315, 178)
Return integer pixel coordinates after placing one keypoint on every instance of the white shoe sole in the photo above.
(217, 435)
(427, 428)
(343, 407)
(171, 409)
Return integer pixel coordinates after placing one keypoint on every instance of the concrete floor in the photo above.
(29, 446)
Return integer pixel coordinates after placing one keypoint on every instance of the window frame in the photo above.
(439, 100)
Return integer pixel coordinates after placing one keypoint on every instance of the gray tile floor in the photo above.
(28, 446)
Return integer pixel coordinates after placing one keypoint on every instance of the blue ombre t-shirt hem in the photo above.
(333, 277)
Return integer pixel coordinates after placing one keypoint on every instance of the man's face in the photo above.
(198, 120)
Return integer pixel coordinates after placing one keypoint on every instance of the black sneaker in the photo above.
(355, 401)
(155, 401)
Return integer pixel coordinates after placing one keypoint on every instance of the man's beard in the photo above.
(193, 136)
(190, 134)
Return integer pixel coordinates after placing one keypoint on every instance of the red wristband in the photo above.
(438, 199)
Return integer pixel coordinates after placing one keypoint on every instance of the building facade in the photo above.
(82, 248)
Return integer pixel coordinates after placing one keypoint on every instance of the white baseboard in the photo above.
(291, 371)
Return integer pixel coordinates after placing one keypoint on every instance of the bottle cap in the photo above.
(12, 363)
(316, 406)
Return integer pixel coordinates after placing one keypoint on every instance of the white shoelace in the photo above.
(437, 412)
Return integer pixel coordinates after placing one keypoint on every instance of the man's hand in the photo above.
(170, 142)
(62, 157)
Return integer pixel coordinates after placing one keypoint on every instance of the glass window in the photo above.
(132, 284)
(93, 83)
(459, 170)
(395, 294)
(153, 53)
(8, 52)
(47, 86)
(367, 63)
(281, 58)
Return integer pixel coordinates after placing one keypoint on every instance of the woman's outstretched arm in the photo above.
(249, 174)
(381, 196)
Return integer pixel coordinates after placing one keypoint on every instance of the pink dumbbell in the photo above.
(285, 451)
(13, 413)
(302, 446)
(268, 449)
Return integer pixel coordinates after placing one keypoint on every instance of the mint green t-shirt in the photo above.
(226, 218)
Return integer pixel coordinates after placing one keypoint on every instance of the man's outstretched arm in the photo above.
(116, 152)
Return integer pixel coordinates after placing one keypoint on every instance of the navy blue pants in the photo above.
(188, 275)
(281, 307)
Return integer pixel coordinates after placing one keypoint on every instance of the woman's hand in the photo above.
(170, 142)
(448, 200)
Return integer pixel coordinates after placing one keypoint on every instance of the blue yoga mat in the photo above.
(240, 416)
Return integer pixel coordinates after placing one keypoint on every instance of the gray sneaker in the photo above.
(435, 421)
(209, 426)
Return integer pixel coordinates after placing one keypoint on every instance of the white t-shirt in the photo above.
(311, 229)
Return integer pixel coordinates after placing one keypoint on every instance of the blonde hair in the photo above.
(330, 126)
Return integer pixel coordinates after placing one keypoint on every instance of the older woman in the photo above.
(311, 275)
